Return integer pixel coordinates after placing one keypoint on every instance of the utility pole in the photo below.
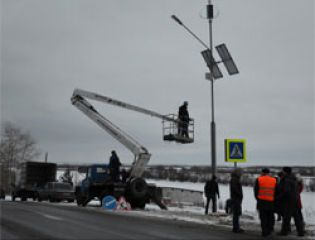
(212, 124)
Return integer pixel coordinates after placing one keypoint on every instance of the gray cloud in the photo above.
(133, 51)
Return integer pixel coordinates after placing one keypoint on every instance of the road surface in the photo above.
(32, 220)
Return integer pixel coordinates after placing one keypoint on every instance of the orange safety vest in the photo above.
(267, 187)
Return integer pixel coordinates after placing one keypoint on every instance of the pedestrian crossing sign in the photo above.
(235, 150)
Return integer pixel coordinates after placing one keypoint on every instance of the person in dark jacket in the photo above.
(211, 190)
(183, 117)
(114, 166)
(278, 207)
(236, 193)
(264, 191)
(287, 195)
(300, 190)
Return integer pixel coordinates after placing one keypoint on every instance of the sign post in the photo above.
(235, 151)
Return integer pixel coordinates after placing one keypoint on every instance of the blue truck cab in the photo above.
(98, 184)
(96, 174)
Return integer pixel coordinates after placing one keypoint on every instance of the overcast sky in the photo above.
(133, 51)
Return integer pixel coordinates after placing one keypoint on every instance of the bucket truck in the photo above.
(97, 182)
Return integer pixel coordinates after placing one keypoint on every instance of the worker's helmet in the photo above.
(186, 103)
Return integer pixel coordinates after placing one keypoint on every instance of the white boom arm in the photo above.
(141, 153)
(108, 100)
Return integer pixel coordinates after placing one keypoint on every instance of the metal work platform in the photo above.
(171, 130)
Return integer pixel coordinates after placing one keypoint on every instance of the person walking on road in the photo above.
(264, 191)
(211, 191)
(114, 166)
(236, 193)
(183, 117)
(288, 195)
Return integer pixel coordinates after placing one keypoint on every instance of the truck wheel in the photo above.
(50, 199)
(138, 188)
(24, 199)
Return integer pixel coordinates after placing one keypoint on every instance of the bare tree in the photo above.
(15, 147)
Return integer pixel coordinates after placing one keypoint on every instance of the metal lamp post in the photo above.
(212, 128)
(214, 73)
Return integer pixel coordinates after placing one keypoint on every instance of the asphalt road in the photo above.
(32, 220)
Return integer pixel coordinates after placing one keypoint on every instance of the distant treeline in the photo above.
(202, 173)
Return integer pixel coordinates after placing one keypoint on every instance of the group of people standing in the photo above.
(282, 196)
(275, 195)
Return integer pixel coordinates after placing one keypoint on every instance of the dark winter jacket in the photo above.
(183, 113)
(114, 162)
(236, 190)
(288, 192)
(211, 188)
(300, 189)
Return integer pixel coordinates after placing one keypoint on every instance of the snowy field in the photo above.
(249, 201)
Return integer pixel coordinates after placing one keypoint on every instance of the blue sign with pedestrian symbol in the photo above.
(235, 150)
(109, 202)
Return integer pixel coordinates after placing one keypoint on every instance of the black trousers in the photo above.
(183, 128)
(114, 173)
(237, 212)
(214, 204)
(287, 215)
(267, 221)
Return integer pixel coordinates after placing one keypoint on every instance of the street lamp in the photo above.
(214, 73)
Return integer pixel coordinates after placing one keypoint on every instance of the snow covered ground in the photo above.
(249, 202)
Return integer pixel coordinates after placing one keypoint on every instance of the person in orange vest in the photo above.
(264, 190)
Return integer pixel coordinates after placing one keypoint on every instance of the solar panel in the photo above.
(212, 64)
(227, 59)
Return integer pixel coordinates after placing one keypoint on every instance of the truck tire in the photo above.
(138, 188)
(24, 199)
